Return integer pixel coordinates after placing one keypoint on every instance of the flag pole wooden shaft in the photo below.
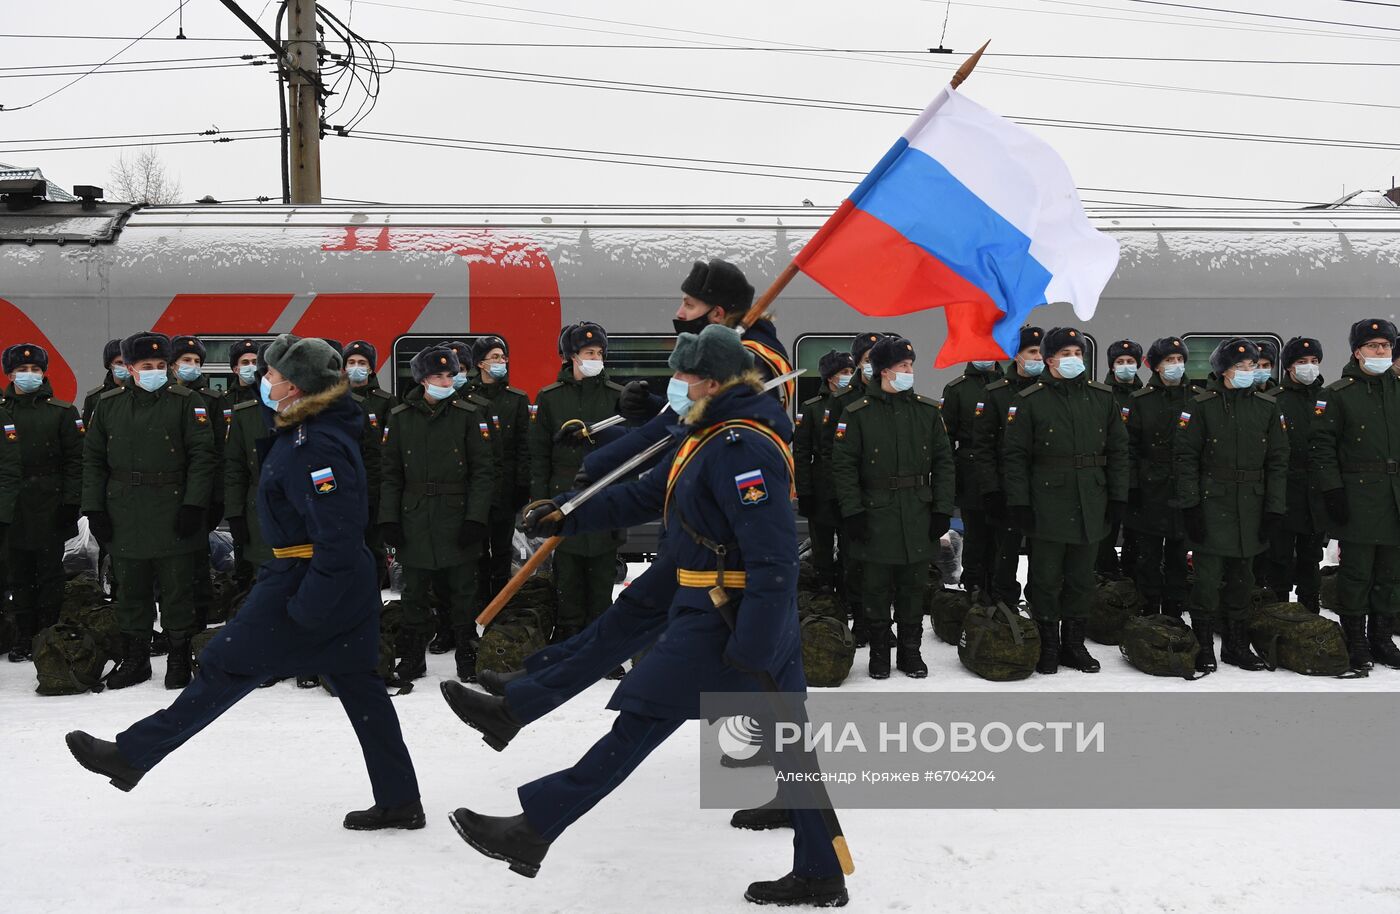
(531, 565)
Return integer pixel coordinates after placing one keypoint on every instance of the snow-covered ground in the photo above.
(246, 818)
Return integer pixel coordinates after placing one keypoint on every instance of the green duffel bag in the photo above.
(1115, 602)
(201, 640)
(538, 594)
(947, 608)
(1327, 596)
(1287, 635)
(82, 590)
(828, 650)
(998, 643)
(508, 640)
(1160, 646)
(68, 660)
(807, 577)
(98, 618)
(820, 603)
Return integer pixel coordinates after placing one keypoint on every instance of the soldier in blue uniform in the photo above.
(315, 606)
(729, 483)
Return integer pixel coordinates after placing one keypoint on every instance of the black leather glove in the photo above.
(1194, 520)
(67, 516)
(571, 432)
(100, 526)
(994, 503)
(581, 481)
(1267, 525)
(804, 506)
(541, 519)
(472, 532)
(1337, 508)
(1023, 518)
(238, 529)
(938, 525)
(392, 533)
(1135, 497)
(212, 519)
(634, 403)
(189, 520)
(1117, 510)
(857, 527)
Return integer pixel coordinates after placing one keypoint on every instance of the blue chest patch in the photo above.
(752, 488)
(323, 481)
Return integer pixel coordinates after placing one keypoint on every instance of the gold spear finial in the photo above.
(965, 70)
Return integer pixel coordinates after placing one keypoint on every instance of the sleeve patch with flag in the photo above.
(323, 481)
(799, 420)
(1010, 414)
(752, 489)
(373, 421)
(1319, 407)
(484, 429)
(82, 429)
(977, 410)
(534, 411)
(1283, 421)
(840, 430)
(11, 433)
(201, 415)
(1183, 420)
(1123, 412)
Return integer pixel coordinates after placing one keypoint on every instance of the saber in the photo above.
(533, 563)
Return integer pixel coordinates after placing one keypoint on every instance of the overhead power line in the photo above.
(1232, 12)
(66, 148)
(114, 71)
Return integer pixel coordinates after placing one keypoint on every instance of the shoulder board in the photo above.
(955, 382)
(357, 399)
(998, 385)
(1099, 385)
(96, 392)
(813, 401)
(1265, 395)
(246, 404)
(1034, 388)
(61, 404)
(862, 403)
(613, 385)
(1149, 389)
(115, 391)
(546, 389)
(457, 403)
(180, 391)
(477, 400)
(927, 401)
(1205, 395)
(518, 392)
(398, 409)
(1341, 383)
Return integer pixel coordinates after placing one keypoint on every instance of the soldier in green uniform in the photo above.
(860, 351)
(467, 375)
(850, 565)
(360, 360)
(49, 434)
(508, 411)
(148, 468)
(812, 440)
(1154, 514)
(1231, 455)
(249, 424)
(584, 566)
(1124, 357)
(243, 359)
(376, 403)
(188, 371)
(1295, 546)
(988, 431)
(1264, 368)
(892, 467)
(1065, 468)
(438, 484)
(1355, 463)
(960, 399)
(116, 375)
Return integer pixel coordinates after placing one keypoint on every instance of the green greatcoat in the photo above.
(891, 460)
(1153, 413)
(1231, 455)
(1066, 456)
(214, 406)
(1123, 390)
(508, 411)
(1356, 447)
(960, 401)
(51, 458)
(90, 398)
(242, 467)
(1298, 404)
(377, 400)
(144, 456)
(813, 439)
(437, 471)
(989, 428)
(553, 466)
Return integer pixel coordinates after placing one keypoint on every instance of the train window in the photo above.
(638, 357)
(405, 348)
(1201, 345)
(217, 369)
(810, 347)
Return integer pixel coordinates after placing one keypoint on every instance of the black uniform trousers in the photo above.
(1294, 560)
(136, 590)
(1160, 575)
(979, 550)
(585, 585)
(1006, 588)
(36, 583)
(493, 568)
(828, 554)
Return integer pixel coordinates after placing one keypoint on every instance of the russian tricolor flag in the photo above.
(971, 213)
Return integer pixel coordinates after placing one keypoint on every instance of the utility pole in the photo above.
(303, 101)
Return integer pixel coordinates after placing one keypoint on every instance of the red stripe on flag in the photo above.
(877, 271)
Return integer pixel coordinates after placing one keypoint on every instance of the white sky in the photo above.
(515, 112)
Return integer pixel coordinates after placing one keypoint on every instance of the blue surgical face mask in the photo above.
(1174, 372)
(984, 366)
(1242, 380)
(120, 373)
(1033, 367)
(1071, 366)
(152, 380)
(459, 380)
(843, 381)
(246, 373)
(498, 370)
(265, 391)
(590, 368)
(28, 381)
(868, 371)
(678, 396)
(187, 372)
(1307, 372)
(1376, 366)
(1125, 372)
(438, 391)
(1262, 376)
(903, 380)
(357, 375)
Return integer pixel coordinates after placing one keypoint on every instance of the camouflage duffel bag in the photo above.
(538, 594)
(68, 660)
(998, 643)
(508, 640)
(828, 650)
(81, 591)
(820, 603)
(1287, 635)
(1115, 602)
(807, 577)
(99, 619)
(947, 608)
(1327, 595)
(201, 640)
(1160, 646)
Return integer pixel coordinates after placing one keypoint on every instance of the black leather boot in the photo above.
(1358, 649)
(860, 627)
(101, 757)
(495, 682)
(408, 816)
(413, 657)
(177, 661)
(908, 659)
(1204, 630)
(1049, 661)
(880, 650)
(1383, 651)
(1073, 653)
(772, 814)
(445, 638)
(792, 889)
(508, 838)
(1235, 649)
(135, 665)
(488, 715)
(24, 639)
(464, 636)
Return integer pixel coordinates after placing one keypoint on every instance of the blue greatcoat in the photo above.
(697, 652)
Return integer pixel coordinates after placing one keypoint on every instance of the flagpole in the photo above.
(761, 304)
